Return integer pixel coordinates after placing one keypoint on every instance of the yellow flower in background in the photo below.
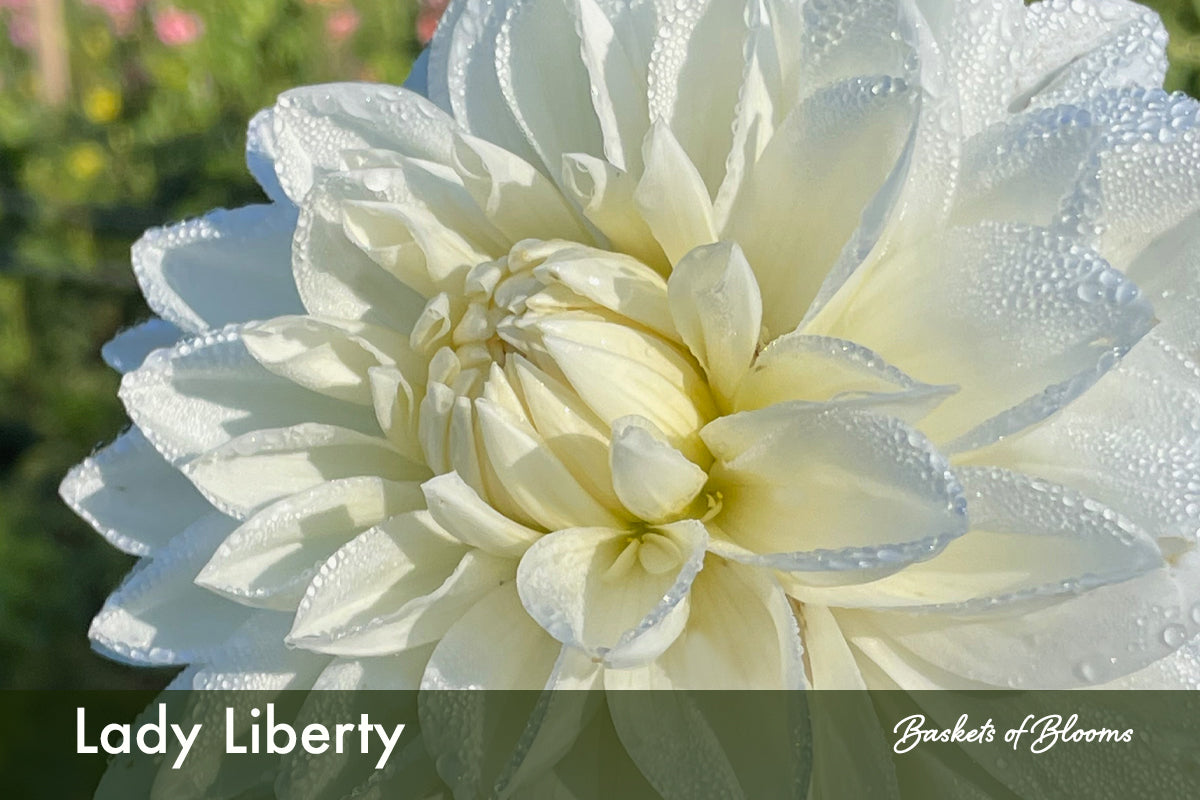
(85, 161)
(701, 344)
(102, 104)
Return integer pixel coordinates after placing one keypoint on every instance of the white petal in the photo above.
(314, 125)
(620, 371)
(977, 307)
(618, 597)
(1087, 639)
(696, 67)
(399, 585)
(829, 657)
(532, 475)
(1020, 170)
(185, 270)
(818, 369)
(740, 634)
(158, 616)
(671, 196)
(398, 673)
(203, 392)
(420, 223)
(841, 40)
(870, 491)
(570, 429)
(717, 310)
(465, 516)
(606, 195)
(653, 480)
(1131, 442)
(334, 277)
(1076, 49)
(520, 201)
(1180, 670)
(255, 658)
(397, 399)
(269, 560)
(1028, 541)
(262, 150)
(495, 645)
(544, 81)
(329, 357)
(463, 79)
(1143, 185)
(127, 350)
(131, 496)
(613, 281)
(263, 466)
(618, 82)
(837, 148)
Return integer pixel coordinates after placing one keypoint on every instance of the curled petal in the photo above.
(717, 310)
(653, 480)
(620, 597)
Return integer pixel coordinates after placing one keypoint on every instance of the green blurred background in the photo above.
(116, 115)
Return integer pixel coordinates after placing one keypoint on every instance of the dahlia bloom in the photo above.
(704, 344)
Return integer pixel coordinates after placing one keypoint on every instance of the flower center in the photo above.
(550, 352)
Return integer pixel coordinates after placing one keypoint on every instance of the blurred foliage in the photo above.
(153, 132)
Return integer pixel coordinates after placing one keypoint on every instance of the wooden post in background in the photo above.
(54, 64)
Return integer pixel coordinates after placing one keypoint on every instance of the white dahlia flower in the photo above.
(683, 343)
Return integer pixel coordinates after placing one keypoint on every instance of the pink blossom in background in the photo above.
(121, 13)
(176, 27)
(342, 24)
(22, 31)
(428, 17)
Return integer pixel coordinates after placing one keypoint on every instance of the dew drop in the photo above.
(1174, 635)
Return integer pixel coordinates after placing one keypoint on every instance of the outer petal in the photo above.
(127, 350)
(158, 616)
(314, 126)
(329, 357)
(1131, 442)
(1029, 541)
(203, 392)
(397, 586)
(186, 270)
(837, 148)
(131, 496)
(694, 76)
(1088, 639)
(261, 467)
(1021, 319)
(269, 560)
(1072, 50)
(544, 81)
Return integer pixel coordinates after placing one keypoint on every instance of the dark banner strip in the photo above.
(591, 745)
